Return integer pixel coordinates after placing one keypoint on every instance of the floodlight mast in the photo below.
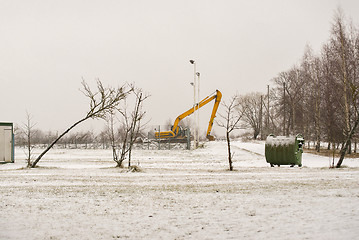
(195, 133)
(198, 98)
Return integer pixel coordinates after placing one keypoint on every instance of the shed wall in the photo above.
(6, 143)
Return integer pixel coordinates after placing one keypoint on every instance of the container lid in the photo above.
(280, 140)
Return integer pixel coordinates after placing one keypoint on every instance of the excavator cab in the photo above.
(179, 131)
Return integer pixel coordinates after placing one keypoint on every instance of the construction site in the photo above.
(179, 134)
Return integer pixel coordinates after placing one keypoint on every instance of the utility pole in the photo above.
(159, 139)
(198, 99)
(267, 123)
(260, 118)
(284, 109)
(195, 133)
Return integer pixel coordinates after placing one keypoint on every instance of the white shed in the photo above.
(6, 142)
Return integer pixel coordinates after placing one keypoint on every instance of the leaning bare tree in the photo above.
(345, 45)
(354, 94)
(230, 121)
(102, 102)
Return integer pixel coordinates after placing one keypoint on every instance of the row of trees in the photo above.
(75, 139)
(318, 97)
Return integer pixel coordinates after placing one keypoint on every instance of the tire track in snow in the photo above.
(249, 151)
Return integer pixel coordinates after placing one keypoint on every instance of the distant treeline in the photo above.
(86, 139)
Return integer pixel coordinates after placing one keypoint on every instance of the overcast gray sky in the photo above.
(47, 46)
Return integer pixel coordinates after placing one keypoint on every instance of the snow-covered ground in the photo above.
(180, 194)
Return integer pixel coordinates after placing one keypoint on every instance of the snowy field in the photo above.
(180, 194)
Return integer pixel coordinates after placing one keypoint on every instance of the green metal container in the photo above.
(281, 150)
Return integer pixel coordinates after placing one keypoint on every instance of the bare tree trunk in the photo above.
(317, 119)
(293, 118)
(29, 131)
(260, 118)
(345, 86)
(29, 149)
(229, 152)
(112, 136)
(54, 142)
(134, 130)
(255, 134)
(284, 115)
(345, 146)
(122, 153)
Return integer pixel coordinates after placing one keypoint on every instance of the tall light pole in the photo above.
(198, 99)
(194, 104)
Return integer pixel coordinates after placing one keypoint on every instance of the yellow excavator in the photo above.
(178, 133)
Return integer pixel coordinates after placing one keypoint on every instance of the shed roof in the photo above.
(6, 124)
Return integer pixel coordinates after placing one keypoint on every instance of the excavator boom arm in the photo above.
(174, 132)
(213, 115)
